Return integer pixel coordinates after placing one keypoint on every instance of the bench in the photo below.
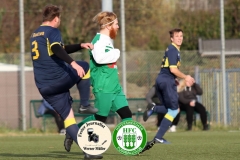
(35, 104)
(195, 117)
(136, 105)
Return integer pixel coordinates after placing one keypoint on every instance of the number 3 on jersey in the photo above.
(35, 50)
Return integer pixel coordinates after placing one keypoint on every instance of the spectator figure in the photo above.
(188, 102)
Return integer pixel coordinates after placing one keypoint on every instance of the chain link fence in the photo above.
(142, 70)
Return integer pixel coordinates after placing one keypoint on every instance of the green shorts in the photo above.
(106, 102)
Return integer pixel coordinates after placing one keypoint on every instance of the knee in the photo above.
(84, 65)
(173, 113)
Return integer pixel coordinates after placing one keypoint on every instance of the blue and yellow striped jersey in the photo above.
(48, 68)
(171, 59)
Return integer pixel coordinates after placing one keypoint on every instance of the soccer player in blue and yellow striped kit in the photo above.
(55, 72)
(166, 87)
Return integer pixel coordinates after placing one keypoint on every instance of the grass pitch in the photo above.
(195, 145)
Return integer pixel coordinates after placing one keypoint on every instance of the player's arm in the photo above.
(189, 80)
(174, 70)
(62, 54)
(172, 58)
(104, 54)
(76, 47)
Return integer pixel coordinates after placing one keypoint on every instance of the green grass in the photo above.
(195, 145)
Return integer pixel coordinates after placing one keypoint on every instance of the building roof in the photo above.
(213, 47)
(13, 68)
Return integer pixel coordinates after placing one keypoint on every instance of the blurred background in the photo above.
(147, 23)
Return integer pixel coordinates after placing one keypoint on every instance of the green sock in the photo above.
(125, 119)
(89, 118)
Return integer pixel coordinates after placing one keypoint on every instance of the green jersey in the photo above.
(103, 66)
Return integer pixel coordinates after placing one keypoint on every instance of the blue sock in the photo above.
(84, 91)
(160, 109)
(73, 131)
(163, 128)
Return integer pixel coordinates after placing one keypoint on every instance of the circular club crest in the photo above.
(129, 137)
(94, 137)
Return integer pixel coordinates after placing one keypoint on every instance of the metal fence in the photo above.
(211, 82)
(142, 69)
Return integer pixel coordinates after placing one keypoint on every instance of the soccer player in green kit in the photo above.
(104, 73)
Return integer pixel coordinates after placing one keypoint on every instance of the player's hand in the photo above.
(79, 69)
(87, 45)
(189, 81)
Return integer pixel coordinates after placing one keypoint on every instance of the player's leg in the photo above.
(58, 119)
(174, 123)
(103, 102)
(68, 141)
(59, 98)
(156, 108)
(151, 108)
(101, 99)
(160, 117)
(83, 85)
(166, 90)
(169, 95)
(92, 118)
(72, 129)
(120, 105)
(62, 105)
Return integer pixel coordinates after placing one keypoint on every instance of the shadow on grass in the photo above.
(56, 155)
(81, 153)
(31, 156)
